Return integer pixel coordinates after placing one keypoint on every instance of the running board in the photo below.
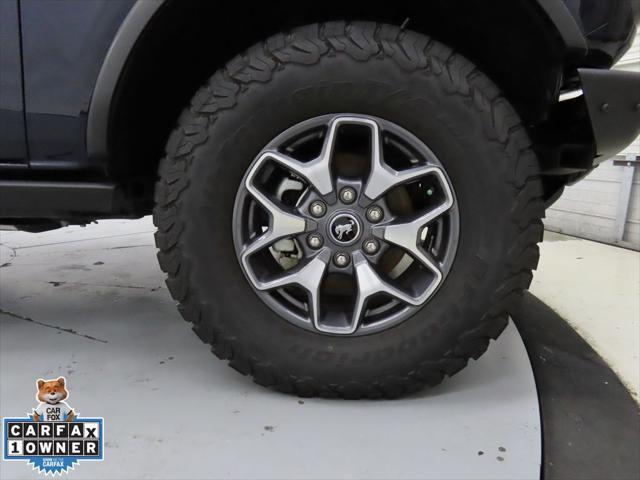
(55, 200)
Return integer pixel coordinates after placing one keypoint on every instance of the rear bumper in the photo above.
(613, 102)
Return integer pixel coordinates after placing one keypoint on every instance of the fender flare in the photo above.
(113, 65)
(574, 41)
(141, 15)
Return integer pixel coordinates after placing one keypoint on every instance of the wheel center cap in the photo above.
(344, 228)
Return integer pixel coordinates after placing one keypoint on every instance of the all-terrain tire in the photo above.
(373, 69)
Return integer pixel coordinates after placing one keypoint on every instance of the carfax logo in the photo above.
(53, 438)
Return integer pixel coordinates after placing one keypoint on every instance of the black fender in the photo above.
(142, 14)
(566, 25)
(138, 18)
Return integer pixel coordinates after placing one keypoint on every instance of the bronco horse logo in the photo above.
(344, 229)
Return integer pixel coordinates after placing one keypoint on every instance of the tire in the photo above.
(372, 69)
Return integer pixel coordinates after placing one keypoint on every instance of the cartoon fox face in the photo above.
(51, 391)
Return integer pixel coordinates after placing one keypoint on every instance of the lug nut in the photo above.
(347, 195)
(314, 241)
(318, 209)
(341, 259)
(371, 246)
(374, 214)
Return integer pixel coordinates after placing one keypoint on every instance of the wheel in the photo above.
(348, 210)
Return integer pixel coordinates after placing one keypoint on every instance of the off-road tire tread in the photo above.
(360, 41)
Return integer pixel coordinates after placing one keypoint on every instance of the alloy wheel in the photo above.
(346, 224)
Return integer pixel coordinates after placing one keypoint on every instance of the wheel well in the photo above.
(512, 41)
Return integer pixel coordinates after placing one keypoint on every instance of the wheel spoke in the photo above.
(281, 222)
(316, 172)
(382, 177)
(309, 277)
(369, 283)
(406, 235)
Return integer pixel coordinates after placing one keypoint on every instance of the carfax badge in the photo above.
(53, 438)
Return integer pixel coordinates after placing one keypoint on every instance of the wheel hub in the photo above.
(344, 228)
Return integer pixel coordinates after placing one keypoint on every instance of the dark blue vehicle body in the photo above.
(73, 89)
(56, 49)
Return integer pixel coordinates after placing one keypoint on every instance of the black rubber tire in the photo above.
(366, 68)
